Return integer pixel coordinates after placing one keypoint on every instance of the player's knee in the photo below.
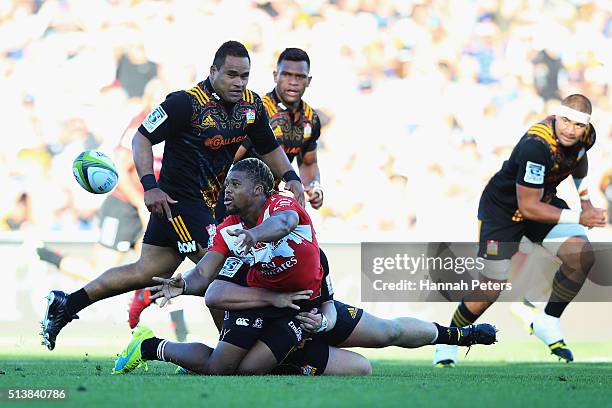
(391, 333)
(577, 254)
(361, 366)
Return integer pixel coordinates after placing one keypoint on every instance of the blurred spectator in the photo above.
(425, 96)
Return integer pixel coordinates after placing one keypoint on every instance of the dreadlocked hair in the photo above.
(258, 172)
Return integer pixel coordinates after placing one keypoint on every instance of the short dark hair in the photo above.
(578, 102)
(258, 172)
(293, 54)
(232, 48)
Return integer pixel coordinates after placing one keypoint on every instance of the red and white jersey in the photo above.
(125, 142)
(290, 264)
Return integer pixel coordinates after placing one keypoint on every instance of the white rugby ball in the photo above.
(95, 172)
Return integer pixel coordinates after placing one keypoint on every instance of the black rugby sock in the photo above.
(447, 335)
(78, 301)
(148, 348)
(564, 290)
(462, 316)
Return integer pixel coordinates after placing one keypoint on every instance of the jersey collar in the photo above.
(211, 90)
(281, 105)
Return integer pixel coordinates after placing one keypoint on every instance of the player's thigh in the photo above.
(345, 362)
(259, 360)
(188, 232)
(240, 331)
(157, 261)
(225, 358)
(498, 240)
(372, 331)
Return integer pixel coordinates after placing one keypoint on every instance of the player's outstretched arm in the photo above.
(272, 229)
(225, 295)
(195, 282)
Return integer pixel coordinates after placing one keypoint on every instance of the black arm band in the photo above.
(291, 175)
(148, 182)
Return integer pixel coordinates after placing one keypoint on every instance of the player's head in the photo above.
(292, 75)
(229, 73)
(572, 119)
(249, 181)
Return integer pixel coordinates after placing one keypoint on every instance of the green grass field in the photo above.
(401, 378)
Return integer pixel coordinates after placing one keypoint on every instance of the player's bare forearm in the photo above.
(230, 296)
(278, 162)
(309, 172)
(532, 208)
(328, 309)
(276, 226)
(240, 153)
(142, 152)
(198, 279)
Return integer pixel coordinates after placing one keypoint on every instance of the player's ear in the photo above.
(308, 81)
(213, 71)
(275, 73)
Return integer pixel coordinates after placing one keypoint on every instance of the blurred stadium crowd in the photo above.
(421, 100)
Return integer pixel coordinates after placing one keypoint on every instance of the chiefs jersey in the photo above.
(537, 161)
(297, 133)
(290, 264)
(202, 133)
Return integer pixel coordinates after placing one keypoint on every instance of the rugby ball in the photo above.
(95, 172)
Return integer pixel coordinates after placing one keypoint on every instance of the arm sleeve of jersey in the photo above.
(218, 243)
(533, 161)
(167, 119)
(260, 132)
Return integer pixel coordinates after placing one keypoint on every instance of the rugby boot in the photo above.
(140, 301)
(56, 317)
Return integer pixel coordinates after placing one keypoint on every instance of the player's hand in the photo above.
(157, 201)
(283, 300)
(245, 241)
(297, 189)
(314, 195)
(593, 217)
(169, 288)
(310, 321)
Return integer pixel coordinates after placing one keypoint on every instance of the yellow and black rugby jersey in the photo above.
(297, 132)
(202, 133)
(538, 161)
